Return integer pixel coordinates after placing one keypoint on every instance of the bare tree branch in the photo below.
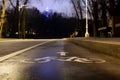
(12, 3)
(75, 8)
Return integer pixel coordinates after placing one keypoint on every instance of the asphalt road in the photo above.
(58, 60)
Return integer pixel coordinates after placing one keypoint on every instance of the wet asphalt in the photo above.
(60, 60)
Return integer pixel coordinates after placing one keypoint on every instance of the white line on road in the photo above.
(62, 53)
(63, 59)
(21, 51)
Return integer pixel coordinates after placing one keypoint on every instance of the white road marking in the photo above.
(21, 51)
(62, 53)
(97, 60)
(66, 58)
(71, 58)
(44, 59)
(63, 59)
(83, 60)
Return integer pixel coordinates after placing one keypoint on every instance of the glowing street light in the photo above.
(86, 33)
(21, 7)
(47, 9)
(46, 12)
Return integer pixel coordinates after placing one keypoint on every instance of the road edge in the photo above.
(21, 51)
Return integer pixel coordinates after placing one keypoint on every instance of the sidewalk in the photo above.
(115, 41)
(109, 46)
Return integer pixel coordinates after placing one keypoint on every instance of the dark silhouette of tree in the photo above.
(2, 16)
(99, 12)
(17, 16)
(55, 25)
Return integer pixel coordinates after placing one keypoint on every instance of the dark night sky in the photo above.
(60, 6)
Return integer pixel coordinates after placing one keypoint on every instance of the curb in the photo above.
(105, 47)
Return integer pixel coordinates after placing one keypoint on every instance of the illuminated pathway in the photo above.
(57, 60)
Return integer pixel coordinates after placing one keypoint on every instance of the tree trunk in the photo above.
(0, 31)
(113, 26)
(112, 14)
(81, 19)
(95, 18)
(23, 22)
(2, 19)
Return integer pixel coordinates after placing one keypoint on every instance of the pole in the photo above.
(86, 33)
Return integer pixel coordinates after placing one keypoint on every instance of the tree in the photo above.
(2, 16)
(98, 11)
(77, 4)
(20, 4)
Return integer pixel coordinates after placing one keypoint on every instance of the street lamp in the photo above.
(86, 33)
(47, 12)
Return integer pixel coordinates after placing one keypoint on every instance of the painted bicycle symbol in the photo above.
(64, 59)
